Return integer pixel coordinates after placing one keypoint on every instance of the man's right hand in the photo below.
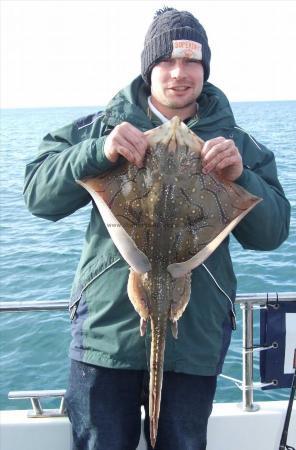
(128, 141)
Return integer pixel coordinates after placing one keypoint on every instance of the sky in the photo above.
(80, 53)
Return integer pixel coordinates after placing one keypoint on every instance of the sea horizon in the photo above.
(8, 108)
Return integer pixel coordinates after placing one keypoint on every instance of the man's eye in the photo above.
(167, 61)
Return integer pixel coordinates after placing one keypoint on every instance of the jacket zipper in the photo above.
(73, 308)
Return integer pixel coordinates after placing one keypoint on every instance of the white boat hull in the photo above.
(230, 428)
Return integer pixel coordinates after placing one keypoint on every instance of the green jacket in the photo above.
(105, 326)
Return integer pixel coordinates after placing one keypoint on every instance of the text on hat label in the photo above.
(183, 48)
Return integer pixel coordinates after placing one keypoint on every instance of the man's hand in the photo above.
(128, 141)
(221, 156)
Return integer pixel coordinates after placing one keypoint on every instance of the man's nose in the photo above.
(178, 70)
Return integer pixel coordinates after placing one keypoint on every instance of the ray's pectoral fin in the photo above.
(242, 200)
(136, 259)
(139, 298)
(181, 296)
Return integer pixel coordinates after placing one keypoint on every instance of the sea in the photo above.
(39, 258)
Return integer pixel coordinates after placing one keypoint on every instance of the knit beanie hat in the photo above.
(169, 26)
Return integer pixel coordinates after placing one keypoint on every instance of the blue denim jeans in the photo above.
(104, 407)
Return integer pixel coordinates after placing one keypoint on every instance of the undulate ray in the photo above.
(166, 219)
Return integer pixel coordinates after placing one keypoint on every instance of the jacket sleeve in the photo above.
(50, 189)
(267, 225)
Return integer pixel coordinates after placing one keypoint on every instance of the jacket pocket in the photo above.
(76, 296)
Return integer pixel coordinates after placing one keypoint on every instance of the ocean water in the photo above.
(38, 258)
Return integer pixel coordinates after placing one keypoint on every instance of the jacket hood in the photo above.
(130, 104)
(214, 108)
(127, 105)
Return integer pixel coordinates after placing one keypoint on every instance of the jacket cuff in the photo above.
(244, 179)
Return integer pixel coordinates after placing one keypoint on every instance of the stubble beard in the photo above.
(186, 103)
(167, 104)
(175, 105)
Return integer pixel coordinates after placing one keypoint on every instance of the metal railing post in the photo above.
(247, 358)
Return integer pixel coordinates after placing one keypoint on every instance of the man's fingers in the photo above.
(214, 147)
(128, 141)
(128, 154)
(124, 147)
(217, 155)
(209, 145)
(137, 143)
(227, 162)
(136, 138)
(221, 155)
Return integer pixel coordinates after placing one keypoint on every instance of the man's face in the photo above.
(175, 85)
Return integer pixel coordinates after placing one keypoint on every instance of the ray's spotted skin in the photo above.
(166, 218)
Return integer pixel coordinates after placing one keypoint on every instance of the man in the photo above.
(108, 379)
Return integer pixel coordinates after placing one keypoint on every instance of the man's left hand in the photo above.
(221, 156)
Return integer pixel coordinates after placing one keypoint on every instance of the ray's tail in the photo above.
(158, 329)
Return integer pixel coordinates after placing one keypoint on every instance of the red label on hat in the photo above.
(187, 49)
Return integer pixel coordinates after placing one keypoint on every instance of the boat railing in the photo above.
(247, 302)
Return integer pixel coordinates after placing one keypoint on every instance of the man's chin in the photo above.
(177, 104)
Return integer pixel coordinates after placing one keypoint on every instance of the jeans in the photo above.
(104, 407)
